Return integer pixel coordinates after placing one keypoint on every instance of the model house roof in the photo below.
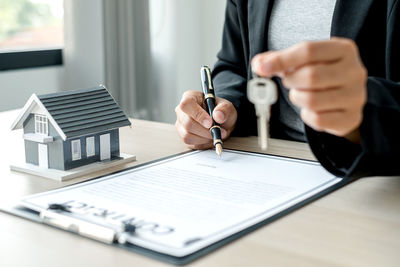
(77, 113)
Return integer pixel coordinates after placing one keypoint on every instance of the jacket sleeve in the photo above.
(230, 71)
(379, 152)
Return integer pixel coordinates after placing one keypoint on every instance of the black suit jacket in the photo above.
(375, 26)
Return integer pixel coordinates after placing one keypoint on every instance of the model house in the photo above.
(71, 129)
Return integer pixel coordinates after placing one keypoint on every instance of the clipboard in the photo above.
(33, 215)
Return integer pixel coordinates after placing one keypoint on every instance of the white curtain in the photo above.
(83, 54)
(127, 55)
(154, 50)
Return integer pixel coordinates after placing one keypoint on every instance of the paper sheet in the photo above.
(187, 202)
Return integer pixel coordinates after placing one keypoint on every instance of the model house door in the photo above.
(105, 148)
(43, 156)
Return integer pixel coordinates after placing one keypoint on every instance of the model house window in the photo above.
(90, 151)
(41, 126)
(76, 149)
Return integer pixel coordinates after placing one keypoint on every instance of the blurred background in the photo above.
(147, 52)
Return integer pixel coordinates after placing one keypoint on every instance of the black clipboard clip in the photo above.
(62, 216)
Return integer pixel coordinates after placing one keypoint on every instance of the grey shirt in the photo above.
(294, 21)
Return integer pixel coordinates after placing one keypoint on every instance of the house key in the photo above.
(262, 92)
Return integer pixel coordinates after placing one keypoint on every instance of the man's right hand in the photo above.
(193, 122)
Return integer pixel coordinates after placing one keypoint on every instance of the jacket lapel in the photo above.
(258, 11)
(348, 17)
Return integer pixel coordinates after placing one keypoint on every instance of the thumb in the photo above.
(190, 104)
(222, 112)
(219, 113)
(226, 115)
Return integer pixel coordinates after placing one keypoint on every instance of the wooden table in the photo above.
(358, 225)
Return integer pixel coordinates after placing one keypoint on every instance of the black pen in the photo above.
(209, 99)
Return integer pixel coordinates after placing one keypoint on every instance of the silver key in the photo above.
(262, 92)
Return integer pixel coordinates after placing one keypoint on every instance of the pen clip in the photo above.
(206, 80)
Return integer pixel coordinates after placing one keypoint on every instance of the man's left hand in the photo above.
(327, 80)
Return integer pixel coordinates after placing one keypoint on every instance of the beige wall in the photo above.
(185, 34)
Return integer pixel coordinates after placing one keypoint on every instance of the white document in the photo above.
(182, 204)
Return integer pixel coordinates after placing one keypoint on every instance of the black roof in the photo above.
(83, 112)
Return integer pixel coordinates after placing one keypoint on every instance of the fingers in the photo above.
(192, 121)
(219, 115)
(315, 76)
(327, 81)
(201, 147)
(337, 111)
(285, 61)
(191, 138)
(192, 126)
(191, 104)
(338, 123)
(226, 115)
(320, 76)
(325, 100)
(191, 118)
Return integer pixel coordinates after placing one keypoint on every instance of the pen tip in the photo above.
(218, 149)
